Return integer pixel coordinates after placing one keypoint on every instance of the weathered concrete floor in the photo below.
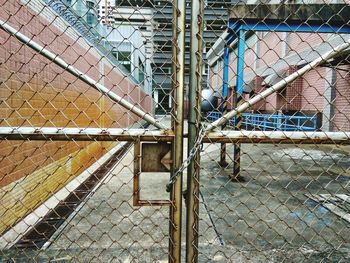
(268, 218)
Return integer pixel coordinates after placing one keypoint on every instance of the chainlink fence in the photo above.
(174, 131)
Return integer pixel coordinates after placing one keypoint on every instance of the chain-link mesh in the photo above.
(276, 200)
(85, 83)
(67, 199)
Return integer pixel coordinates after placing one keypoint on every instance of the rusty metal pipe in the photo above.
(82, 134)
(278, 137)
(118, 134)
(194, 118)
(175, 224)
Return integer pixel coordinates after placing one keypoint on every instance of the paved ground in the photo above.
(267, 218)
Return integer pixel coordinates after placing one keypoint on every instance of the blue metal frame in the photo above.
(268, 122)
(240, 62)
(237, 29)
(225, 72)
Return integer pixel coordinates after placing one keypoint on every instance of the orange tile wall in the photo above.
(36, 92)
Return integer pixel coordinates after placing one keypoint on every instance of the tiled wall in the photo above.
(341, 119)
(306, 94)
(36, 92)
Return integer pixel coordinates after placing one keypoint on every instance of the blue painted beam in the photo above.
(225, 72)
(236, 26)
(296, 27)
(240, 63)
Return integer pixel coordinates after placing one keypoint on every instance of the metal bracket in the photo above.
(150, 157)
(155, 157)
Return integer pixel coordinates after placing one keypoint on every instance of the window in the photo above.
(141, 71)
(90, 18)
(205, 69)
(304, 1)
(123, 57)
(90, 5)
(163, 70)
(122, 51)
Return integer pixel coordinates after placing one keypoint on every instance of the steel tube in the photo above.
(238, 101)
(278, 137)
(137, 172)
(83, 134)
(194, 118)
(117, 134)
(278, 86)
(80, 75)
(179, 14)
(224, 102)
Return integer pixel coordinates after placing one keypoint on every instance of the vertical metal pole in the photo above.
(194, 117)
(224, 96)
(179, 15)
(137, 172)
(239, 101)
(106, 12)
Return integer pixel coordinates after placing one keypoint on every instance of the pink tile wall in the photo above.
(36, 92)
(313, 88)
(301, 41)
(270, 48)
(341, 120)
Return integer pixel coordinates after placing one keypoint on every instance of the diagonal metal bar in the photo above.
(278, 86)
(61, 63)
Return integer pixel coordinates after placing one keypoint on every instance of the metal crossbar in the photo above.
(79, 78)
(115, 134)
(83, 134)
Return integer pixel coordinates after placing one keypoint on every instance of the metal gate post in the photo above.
(194, 117)
(239, 101)
(224, 96)
(179, 15)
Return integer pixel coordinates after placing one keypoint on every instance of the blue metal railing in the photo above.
(268, 122)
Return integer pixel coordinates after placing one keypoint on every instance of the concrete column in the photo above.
(285, 44)
(329, 99)
(156, 97)
(170, 100)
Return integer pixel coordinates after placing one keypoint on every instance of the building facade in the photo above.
(35, 92)
(154, 20)
(271, 56)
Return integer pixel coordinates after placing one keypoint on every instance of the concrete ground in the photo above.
(267, 218)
